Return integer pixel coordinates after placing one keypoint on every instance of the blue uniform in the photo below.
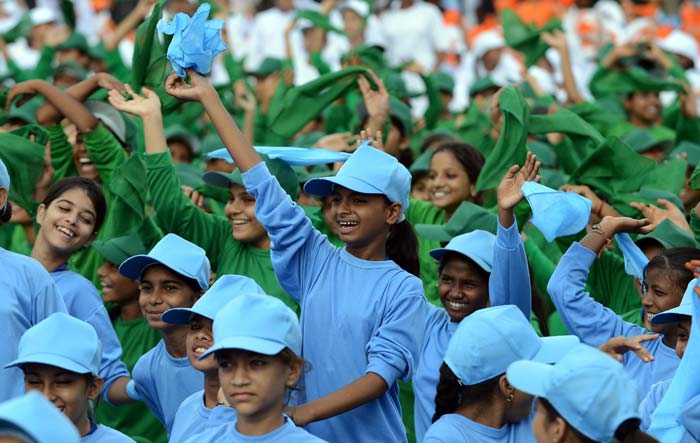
(193, 417)
(163, 382)
(287, 433)
(29, 295)
(509, 283)
(456, 428)
(595, 324)
(690, 417)
(651, 401)
(104, 434)
(84, 303)
(357, 316)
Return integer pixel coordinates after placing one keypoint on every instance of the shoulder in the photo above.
(191, 403)
(144, 365)
(105, 434)
(13, 264)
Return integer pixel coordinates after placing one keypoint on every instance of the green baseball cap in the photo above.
(268, 66)
(642, 140)
(669, 235)
(444, 81)
(284, 173)
(422, 163)
(117, 249)
(468, 217)
(76, 41)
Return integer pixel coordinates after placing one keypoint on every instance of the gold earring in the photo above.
(509, 399)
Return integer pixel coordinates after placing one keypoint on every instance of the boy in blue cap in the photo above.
(196, 412)
(174, 274)
(30, 295)
(60, 357)
(257, 342)
(34, 419)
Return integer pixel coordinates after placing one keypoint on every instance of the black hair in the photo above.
(482, 273)
(91, 188)
(470, 158)
(673, 260)
(436, 137)
(627, 432)
(451, 394)
(402, 247)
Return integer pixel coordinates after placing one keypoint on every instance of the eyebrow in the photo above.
(63, 200)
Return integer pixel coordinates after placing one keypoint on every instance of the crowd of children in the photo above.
(350, 221)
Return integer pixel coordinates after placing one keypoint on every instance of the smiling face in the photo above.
(200, 338)
(240, 210)
(449, 183)
(643, 108)
(162, 289)
(115, 287)
(255, 384)
(68, 391)
(659, 294)
(68, 223)
(81, 159)
(463, 286)
(683, 334)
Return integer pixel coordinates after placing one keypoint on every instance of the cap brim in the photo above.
(554, 348)
(438, 254)
(433, 232)
(178, 316)
(323, 187)
(44, 358)
(106, 252)
(133, 266)
(530, 376)
(672, 315)
(252, 344)
(219, 179)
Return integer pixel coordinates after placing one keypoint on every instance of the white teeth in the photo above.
(239, 222)
(84, 160)
(68, 232)
(650, 316)
(456, 305)
(199, 350)
(439, 194)
(347, 223)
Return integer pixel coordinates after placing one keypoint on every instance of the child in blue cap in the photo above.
(474, 400)
(359, 304)
(585, 397)
(665, 281)
(69, 218)
(476, 269)
(32, 418)
(174, 274)
(196, 412)
(257, 342)
(29, 296)
(60, 357)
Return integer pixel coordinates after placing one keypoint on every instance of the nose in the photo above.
(240, 376)
(646, 298)
(234, 207)
(72, 217)
(47, 391)
(102, 271)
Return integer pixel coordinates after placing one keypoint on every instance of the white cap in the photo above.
(681, 43)
(487, 41)
(42, 15)
(360, 7)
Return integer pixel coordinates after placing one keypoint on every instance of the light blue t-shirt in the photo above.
(84, 303)
(651, 401)
(595, 324)
(690, 417)
(105, 434)
(357, 316)
(456, 428)
(287, 433)
(509, 284)
(163, 382)
(193, 417)
(29, 295)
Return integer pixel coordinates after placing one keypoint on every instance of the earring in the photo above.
(509, 399)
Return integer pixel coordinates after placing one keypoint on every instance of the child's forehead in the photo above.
(159, 272)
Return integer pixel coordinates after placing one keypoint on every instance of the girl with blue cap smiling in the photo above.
(60, 357)
(585, 397)
(360, 306)
(476, 269)
(174, 274)
(32, 418)
(474, 400)
(257, 342)
(29, 296)
(196, 412)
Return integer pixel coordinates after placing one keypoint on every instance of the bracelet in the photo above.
(597, 229)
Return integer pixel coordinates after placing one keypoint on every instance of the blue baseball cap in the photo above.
(256, 323)
(490, 339)
(175, 253)
(34, 418)
(221, 292)
(685, 308)
(62, 341)
(4, 177)
(478, 245)
(556, 213)
(588, 388)
(367, 171)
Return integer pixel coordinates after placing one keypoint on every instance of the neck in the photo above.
(488, 413)
(357, 39)
(44, 255)
(374, 251)
(130, 310)
(262, 243)
(83, 425)
(174, 338)
(211, 389)
(261, 423)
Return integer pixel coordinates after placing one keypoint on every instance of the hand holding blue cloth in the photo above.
(635, 260)
(556, 213)
(196, 40)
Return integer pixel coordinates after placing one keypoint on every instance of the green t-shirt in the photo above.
(420, 212)
(177, 214)
(135, 419)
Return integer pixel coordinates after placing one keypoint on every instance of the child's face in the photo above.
(361, 218)
(449, 183)
(659, 294)
(200, 338)
(68, 391)
(255, 384)
(683, 334)
(115, 287)
(240, 211)
(462, 291)
(420, 189)
(162, 289)
(68, 223)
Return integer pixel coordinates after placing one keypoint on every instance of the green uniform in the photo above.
(420, 212)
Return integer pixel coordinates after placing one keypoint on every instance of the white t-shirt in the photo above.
(267, 39)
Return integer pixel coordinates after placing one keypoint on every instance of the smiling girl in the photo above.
(454, 169)
(69, 219)
(359, 304)
(60, 358)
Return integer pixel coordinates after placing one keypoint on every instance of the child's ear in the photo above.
(40, 214)
(95, 387)
(296, 368)
(394, 213)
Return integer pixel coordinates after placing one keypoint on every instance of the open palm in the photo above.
(509, 191)
(147, 104)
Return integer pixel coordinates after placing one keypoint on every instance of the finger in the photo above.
(170, 81)
(130, 90)
(147, 92)
(512, 171)
(645, 337)
(665, 203)
(533, 174)
(363, 84)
